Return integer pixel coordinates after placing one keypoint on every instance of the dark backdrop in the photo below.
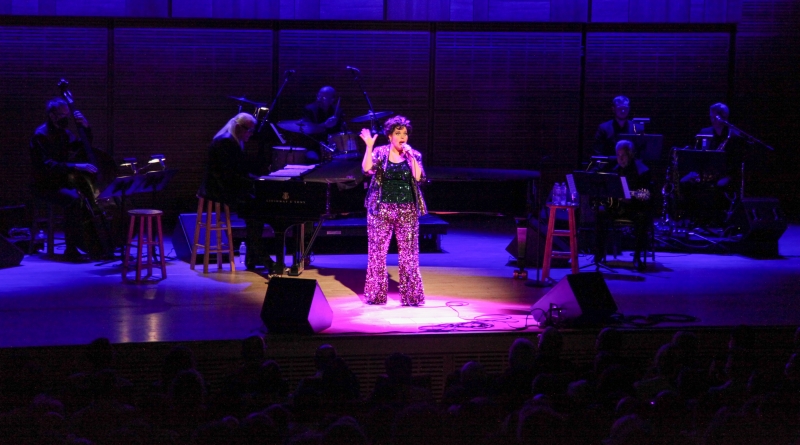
(495, 95)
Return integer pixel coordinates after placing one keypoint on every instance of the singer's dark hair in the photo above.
(394, 123)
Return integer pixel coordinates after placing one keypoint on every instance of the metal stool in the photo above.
(145, 218)
(551, 232)
(213, 223)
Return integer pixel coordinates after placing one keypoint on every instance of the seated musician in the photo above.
(228, 181)
(607, 132)
(324, 111)
(51, 149)
(636, 209)
(704, 194)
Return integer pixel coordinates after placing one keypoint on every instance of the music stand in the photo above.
(600, 186)
(155, 181)
(125, 186)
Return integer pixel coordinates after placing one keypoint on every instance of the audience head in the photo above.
(398, 368)
(178, 359)
(323, 356)
(345, 431)
(629, 430)
(550, 342)
(254, 349)
(742, 337)
(473, 372)
(100, 353)
(188, 389)
(521, 354)
(609, 339)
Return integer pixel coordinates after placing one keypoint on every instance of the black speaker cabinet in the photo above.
(581, 298)
(10, 255)
(295, 306)
(762, 223)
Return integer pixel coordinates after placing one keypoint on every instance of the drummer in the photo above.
(324, 111)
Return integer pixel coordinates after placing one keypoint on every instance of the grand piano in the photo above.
(295, 195)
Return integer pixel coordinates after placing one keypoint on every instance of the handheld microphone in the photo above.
(288, 73)
(354, 69)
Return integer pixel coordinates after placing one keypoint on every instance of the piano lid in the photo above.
(336, 172)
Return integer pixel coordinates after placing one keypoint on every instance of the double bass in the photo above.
(97, 234)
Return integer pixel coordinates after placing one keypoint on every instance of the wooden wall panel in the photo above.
(609, 11)
(767, 94)
(431, 10)
(617, 11)
(672, 78)
(519, 11)
(34, 60)
(569, 11)
(170, 94)
(504, 100)
(395, 72)
(351, 9)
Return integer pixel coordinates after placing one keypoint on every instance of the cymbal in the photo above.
(247, 101)
(301, 126)
(369, 116)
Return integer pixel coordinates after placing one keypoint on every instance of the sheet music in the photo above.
(571, 184)
(299, 167)
(274, 178)
(625, 187)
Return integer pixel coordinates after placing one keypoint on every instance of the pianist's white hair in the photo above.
(229, 129)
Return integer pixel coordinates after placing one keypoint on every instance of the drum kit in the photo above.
(338, 146)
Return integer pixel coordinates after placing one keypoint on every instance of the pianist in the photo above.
(227, 181)
(394, 204)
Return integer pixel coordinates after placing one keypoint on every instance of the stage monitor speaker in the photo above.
(10, 255)
(581, 298)
(295, 306)
(762, 224)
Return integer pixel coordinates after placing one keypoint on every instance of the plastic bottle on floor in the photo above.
(242, 253)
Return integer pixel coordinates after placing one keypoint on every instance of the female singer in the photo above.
(394, 204)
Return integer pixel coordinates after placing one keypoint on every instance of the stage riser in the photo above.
(434, 355)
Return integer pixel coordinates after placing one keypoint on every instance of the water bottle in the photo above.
(554, 195)
(242, 253)
(562, 194)
(41, 238)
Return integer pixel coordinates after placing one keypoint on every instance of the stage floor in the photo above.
(469, 287)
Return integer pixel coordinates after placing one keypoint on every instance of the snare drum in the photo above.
(282, 156)
(344, 142)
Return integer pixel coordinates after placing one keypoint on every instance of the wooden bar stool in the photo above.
(551, 232)
(145, 218)
(213, 223)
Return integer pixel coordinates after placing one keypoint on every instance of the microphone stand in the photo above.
(262, 139)
(357, 78)
(750, 139)
(287, 74)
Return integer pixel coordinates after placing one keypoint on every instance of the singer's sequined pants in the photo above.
(401, 219)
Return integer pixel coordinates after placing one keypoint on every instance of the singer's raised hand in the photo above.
(368, 137)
